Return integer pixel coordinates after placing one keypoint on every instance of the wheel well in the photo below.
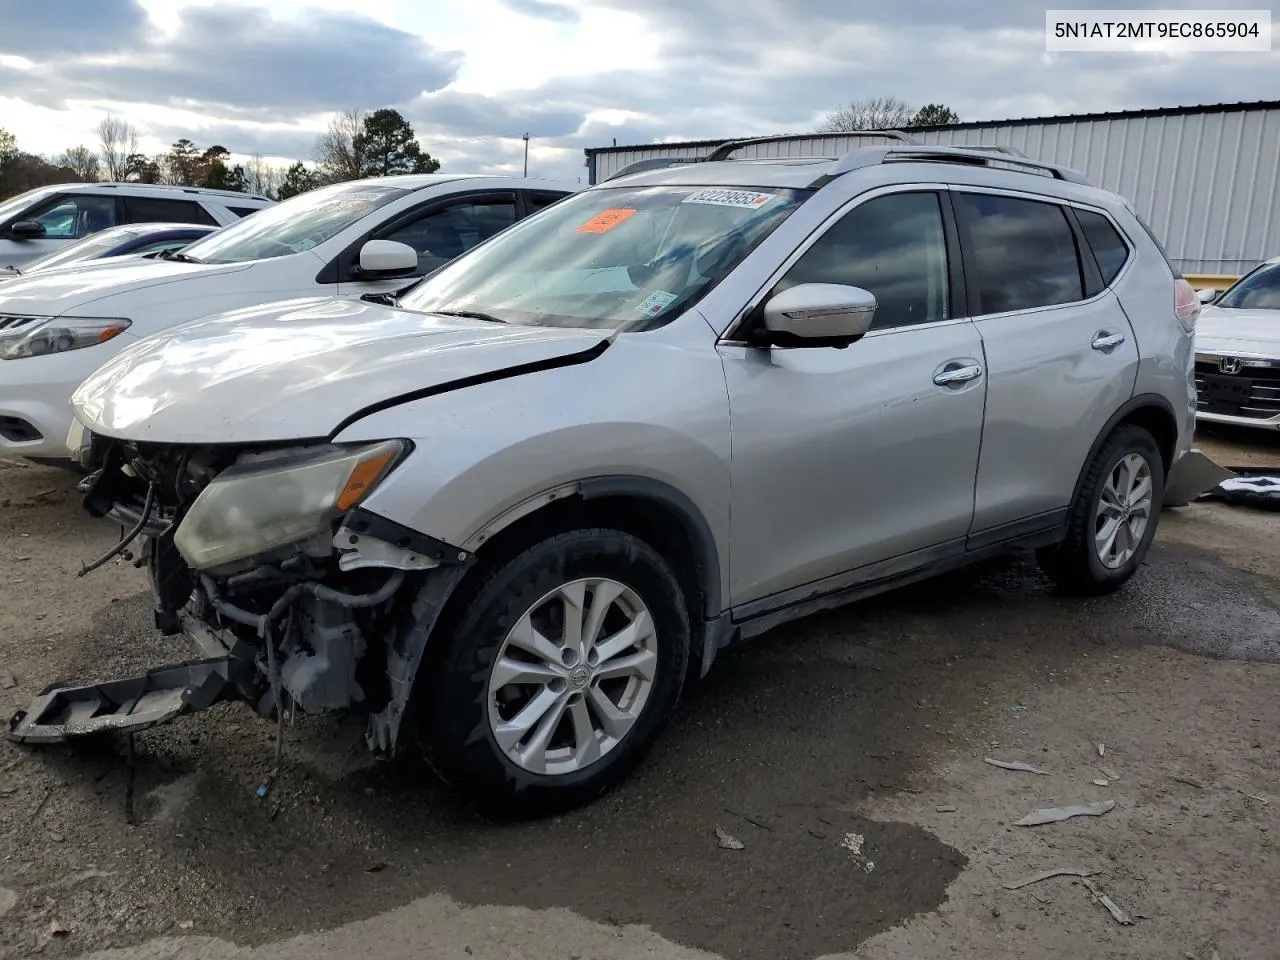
(1161, 424)
(658, 524)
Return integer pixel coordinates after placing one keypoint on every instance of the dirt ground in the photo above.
(845, 753)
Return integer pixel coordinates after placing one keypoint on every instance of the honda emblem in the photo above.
(1229, 364)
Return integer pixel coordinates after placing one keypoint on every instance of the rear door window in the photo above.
(1024, 252)
(1109, 248)
(166, 210)
(447, 232)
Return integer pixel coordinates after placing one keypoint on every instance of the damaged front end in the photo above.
(295, 596)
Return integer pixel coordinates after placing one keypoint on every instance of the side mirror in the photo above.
(381, 259)
(1207, 296)
(819, 315)
(27, 230)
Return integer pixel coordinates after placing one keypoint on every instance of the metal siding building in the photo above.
(1206, 179)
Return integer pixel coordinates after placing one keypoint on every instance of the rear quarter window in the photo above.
(1109, 248)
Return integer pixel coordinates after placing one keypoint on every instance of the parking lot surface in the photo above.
(845, 753)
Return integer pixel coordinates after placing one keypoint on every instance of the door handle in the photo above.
(1107, 341)
(948, 378)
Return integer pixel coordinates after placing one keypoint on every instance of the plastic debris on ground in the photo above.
(1261, 489)
(853, 842)
(1015, 765)
(1048, 875)
(1056, 814)
(1121, 917)
(728, 841)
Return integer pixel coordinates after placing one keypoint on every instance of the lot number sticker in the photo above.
(605, 220)
(730, 198)
(656, 302)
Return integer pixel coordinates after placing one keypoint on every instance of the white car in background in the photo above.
(1238, 351)
(349, 240)
(46, 219)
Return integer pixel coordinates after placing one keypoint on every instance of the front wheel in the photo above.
(1113, 520)
(561, 673)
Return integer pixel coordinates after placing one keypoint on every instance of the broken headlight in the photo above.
(253, 508)
(55, 334)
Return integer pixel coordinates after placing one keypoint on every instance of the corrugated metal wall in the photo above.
(1208, 182)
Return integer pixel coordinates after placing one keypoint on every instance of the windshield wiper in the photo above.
(468, 314)
(183, 257)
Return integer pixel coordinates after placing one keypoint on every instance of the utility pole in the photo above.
(526, 154)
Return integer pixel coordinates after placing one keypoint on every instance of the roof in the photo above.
(1238, 107)
(163, 188)
(787, 172)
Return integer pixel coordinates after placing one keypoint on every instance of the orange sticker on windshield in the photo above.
(605, 220)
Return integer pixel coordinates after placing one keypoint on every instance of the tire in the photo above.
(1077, 563)
(467, 708)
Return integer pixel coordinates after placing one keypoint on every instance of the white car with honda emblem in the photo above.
(1238, 351)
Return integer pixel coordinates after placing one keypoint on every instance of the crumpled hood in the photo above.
(1220, 330)
(297, 370)
(60, 292)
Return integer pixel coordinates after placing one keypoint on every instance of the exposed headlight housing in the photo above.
(37, 336)
(254, 508)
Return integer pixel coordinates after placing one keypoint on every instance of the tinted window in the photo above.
(892, 246)
(243, 211)
(162, 210)
(447, 232)
(1259, 290)
(539, 201)
(1108, 248)
(69, 218)
(1024, 252)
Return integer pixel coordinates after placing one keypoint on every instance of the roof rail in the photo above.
(987, 157)
(995, 148)
(722, 152)
(652, 163)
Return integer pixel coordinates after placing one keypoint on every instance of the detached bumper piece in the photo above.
(138, 703)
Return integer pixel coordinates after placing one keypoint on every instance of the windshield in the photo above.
(15, 205)
(1259, 290)
(294, 225)
(91, 247)
(616, 258)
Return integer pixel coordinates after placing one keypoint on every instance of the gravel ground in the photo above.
(845, 753)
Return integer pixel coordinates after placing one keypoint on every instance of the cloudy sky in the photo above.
(473, 75)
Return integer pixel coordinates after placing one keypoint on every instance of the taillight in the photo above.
(1186, 304)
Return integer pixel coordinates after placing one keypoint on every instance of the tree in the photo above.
(211, 169)
(934, 115)
(139, 168)
(261, 177)
(237, 180)
(183, 164)
(387, 146)
(83, 161)
(118, 141)
(297, 179)
(871, 113)
(8, 148)
(338, 151)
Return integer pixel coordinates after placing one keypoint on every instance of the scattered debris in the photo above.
(375, 868)
(1015, 765)
(946, 809)
(1056, 814)
(58, 929)
(853, 842)
(728, 841)
(1101, 782)
(751, 820)
(56, 837)
(186, 924)
(264, 789)
(7, 680)
(1121, 917)
(1102, 749)
(40, 806)
(1048, 875)
(1190, 781)
(1109, 774)
(1017, 709)
(1260, 489)
(1262, 800)
(8, 900)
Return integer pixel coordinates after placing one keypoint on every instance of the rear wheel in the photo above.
(561, 673)
(1113, 521)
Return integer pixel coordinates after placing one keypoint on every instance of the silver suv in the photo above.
(508, 513)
